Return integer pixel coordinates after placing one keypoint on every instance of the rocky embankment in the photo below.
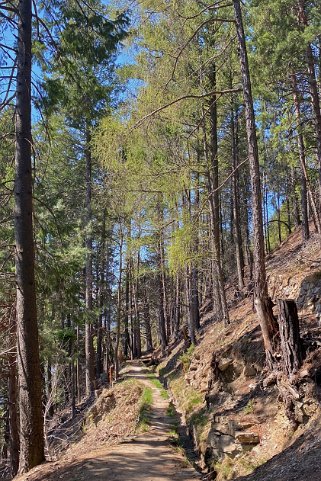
(236, 411)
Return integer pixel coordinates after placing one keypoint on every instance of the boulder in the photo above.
(247, 438)
(225, 364)
(222, 443)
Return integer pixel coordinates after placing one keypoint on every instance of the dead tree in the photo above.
(291, 344)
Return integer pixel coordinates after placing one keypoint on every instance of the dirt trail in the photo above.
(146, 457)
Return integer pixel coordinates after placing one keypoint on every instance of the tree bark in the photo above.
(146, 314)
(13, 416)
(262, 304)
(29, 373)
(315, 99)
(137, 333)
(161, 283)
(89, 347)
(215, 205)
(126, 315)
(177, 313)
(305, 188)
(101, 266)
(236, 206)
(291, 344)
(118, 315)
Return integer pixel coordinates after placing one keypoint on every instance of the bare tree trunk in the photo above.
(291, 344)
(194, 314)
(219, 297)
(161, 283)
(161, 314)
(278, 212)
(118, 316)
(89, 347)
(148, 330)
(294, 198)
(101, 296)
(13, 416)
(126, 315)
(177, 313)
(195, 308)
(29, 373)
(236, 208)
(78, 366)
(190, 316)
(137, 333)
(215, 203)
(315, 99)
(73, 373)
(262, 304)
(305, 188)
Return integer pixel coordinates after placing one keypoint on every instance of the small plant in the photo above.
(225, 468)
(171, 410)
(249, 408)
(173, 438)
(186, 358)
(159, 385)
(187, 396)
(199, 418)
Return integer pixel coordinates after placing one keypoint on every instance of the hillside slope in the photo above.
(236, 411)
(128, 434)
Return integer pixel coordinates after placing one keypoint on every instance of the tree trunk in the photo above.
(290, 337)
(137, 333)
(215, 204)
(190, 316)
(89, 347)
(278, 213)
(73, 373)
(126, 315)
(305, 188)
(315, 100)
(101, 267)
(219, 297)
(294, 199)
(161, 315)
(195, 308)
(194, 314)
(148, 330)
(177, 313)
(161, 283)
(236, 207)
(13, 416)
(317, 112)
(118, 315)
(263, 306)
(29, 373)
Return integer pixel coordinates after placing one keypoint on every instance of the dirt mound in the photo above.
(112, 418)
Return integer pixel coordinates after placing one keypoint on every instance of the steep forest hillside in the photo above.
(160, 214)
(238, 413)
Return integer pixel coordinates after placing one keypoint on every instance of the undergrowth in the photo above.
(186, 357)
(154, 380)
(189, 399)
(145, 405)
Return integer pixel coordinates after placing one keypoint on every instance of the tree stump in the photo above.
(291, 344)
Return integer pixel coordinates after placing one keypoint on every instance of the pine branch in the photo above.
(185, 97)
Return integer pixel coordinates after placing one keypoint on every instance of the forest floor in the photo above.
(149, 456)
